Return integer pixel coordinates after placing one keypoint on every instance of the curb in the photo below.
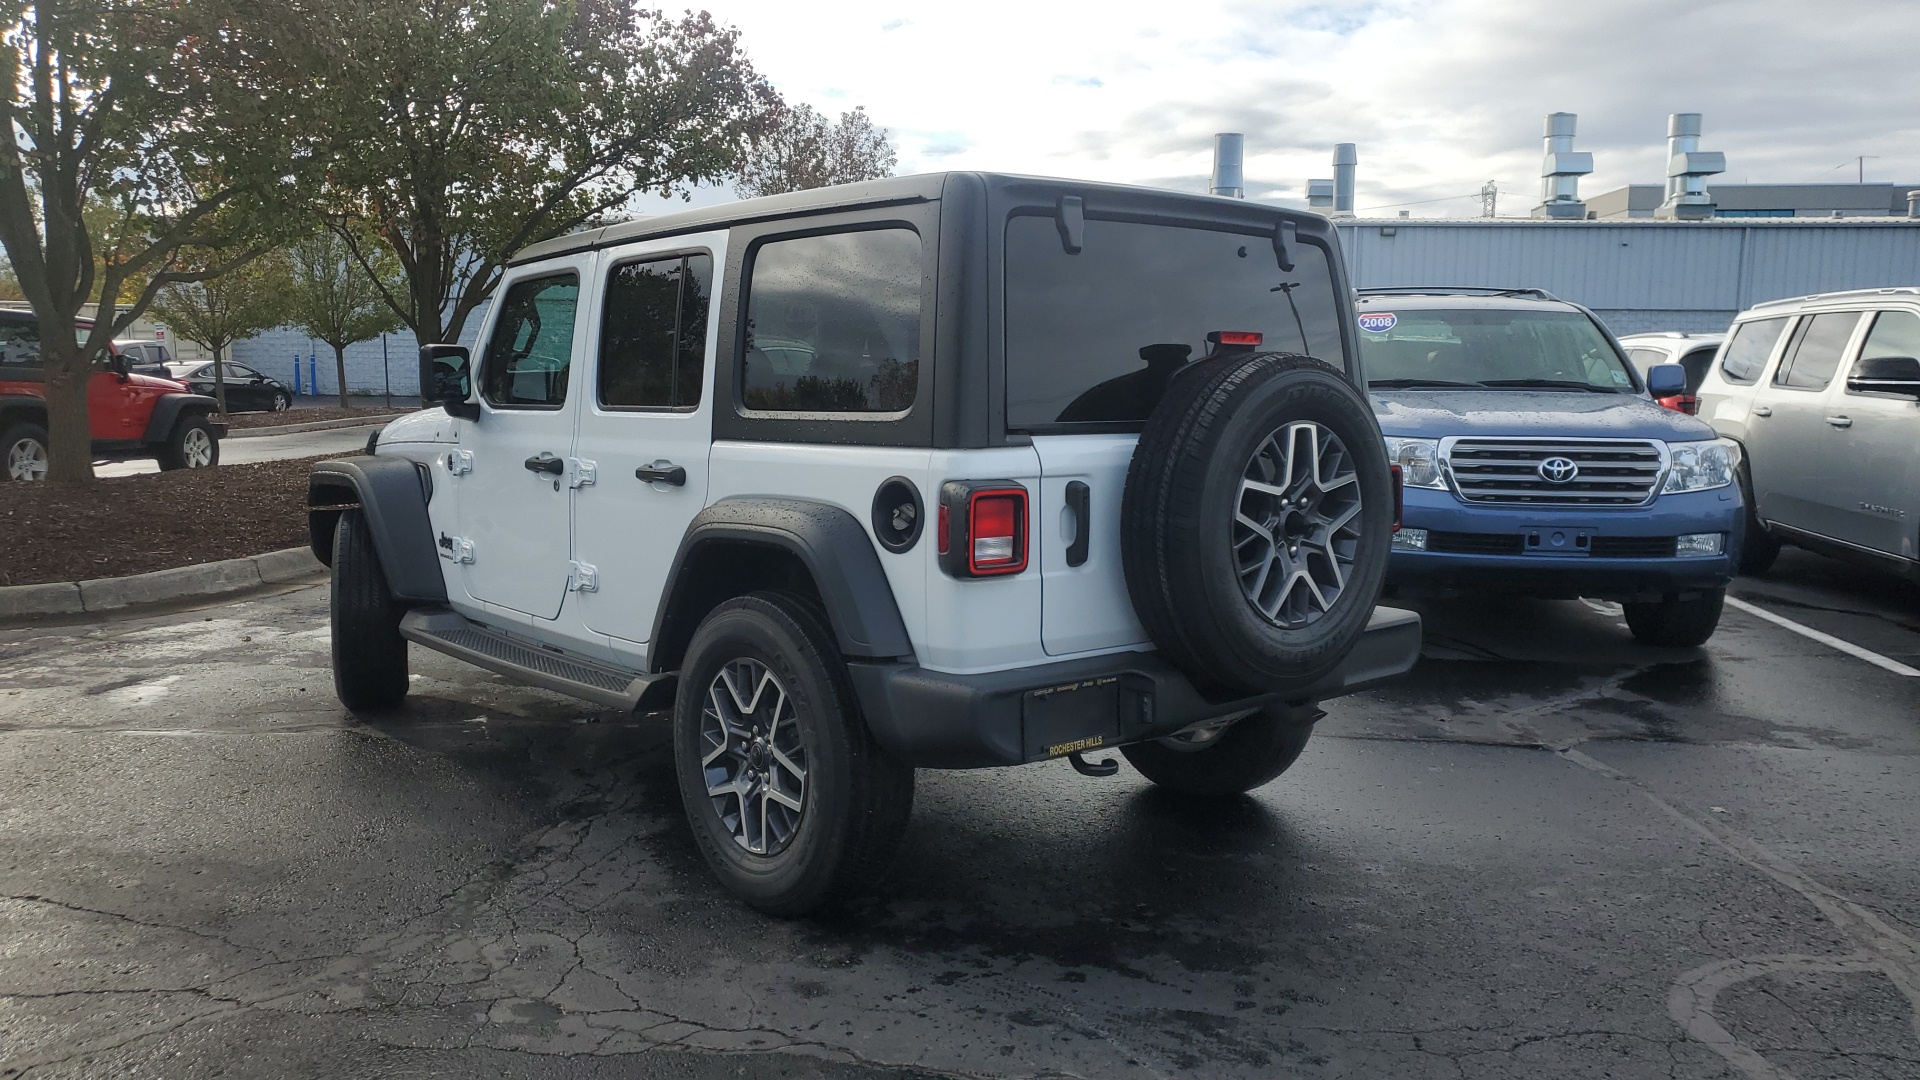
(317, 425)
(284, 567)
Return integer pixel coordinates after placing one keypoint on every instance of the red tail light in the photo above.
(1685, 403)
(1234, 337)
(1399, 495)
(983, 528)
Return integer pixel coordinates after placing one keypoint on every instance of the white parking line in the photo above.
(1828, 640)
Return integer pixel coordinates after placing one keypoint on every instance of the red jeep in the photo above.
(131, 415)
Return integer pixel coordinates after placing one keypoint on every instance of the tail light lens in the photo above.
(983, 528)
(1399, 495)
(1684, 403)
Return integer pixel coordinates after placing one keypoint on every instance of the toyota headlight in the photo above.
(1419, 461)
(1701, 466)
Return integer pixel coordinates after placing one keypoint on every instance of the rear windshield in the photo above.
(1504, 348)
(1093, 337)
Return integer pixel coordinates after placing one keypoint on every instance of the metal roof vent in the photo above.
(1346, 158)
(1561, 170)
(1320, 194)
(1687, 168)
(1229, 165)
(1913, 204)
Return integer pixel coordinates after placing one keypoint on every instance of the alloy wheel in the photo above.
(753, 758)
(27, 460)
(1296, 524)
(196, 448)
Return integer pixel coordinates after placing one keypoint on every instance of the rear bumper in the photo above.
(936, 720)
(1550, 574)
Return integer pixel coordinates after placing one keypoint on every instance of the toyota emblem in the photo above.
(1558, 470)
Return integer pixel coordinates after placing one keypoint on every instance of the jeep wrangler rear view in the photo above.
(942, 471)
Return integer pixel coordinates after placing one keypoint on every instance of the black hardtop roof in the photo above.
(901, 190)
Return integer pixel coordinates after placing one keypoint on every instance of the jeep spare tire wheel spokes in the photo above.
(792, 803)
(190, 446)
(369, 655)
(24, 452)
(1256, 521)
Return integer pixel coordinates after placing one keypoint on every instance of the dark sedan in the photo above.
(247, 389)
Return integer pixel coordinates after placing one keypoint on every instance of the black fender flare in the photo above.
(167, 409)
(392, 494)
(828, 540)
(22, 406)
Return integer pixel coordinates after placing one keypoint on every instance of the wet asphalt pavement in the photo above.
(1548, 853)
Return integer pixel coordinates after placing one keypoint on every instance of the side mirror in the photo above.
(1666, 380)
(446, 380)
(1886, 375)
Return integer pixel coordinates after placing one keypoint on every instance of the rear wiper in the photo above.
(1551, 384)
(1408, 384)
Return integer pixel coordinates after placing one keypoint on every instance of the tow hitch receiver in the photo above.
(1078, 759)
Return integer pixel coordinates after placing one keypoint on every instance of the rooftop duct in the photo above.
(1229, 165)
(1687, 168)
(1346, 157)
(1561, 170)
(1320, 194)
(1913, 204)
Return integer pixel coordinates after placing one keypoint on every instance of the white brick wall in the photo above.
(273, 354)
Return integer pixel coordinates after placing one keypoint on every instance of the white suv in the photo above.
(1823, 392)
(943, 471)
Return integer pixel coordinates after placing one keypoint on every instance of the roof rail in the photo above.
(1454, 290)
(1844, 294)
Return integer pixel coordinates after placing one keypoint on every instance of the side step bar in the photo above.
(456, 635)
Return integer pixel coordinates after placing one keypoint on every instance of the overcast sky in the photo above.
(1440, 96)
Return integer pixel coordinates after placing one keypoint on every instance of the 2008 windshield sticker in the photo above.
(1378, 322)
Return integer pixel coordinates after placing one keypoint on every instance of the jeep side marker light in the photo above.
(983, 527)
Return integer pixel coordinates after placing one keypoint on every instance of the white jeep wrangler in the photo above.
(933, 472)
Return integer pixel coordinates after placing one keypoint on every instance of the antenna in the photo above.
(1489, 199)
(1860, 160)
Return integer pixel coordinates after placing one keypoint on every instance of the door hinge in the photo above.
(583, 473)
(457, 549)
(583, 577)
(459, 462)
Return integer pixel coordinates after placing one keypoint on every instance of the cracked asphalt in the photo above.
(1548, 852)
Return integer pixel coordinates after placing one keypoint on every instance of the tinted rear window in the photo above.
(1748, 351)
(1093, 337)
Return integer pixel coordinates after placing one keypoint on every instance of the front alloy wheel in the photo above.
(196, 448)
(753, 758)
(1296, 524)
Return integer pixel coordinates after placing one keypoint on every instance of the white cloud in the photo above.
(1440, 96)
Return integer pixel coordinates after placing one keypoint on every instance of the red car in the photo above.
(132, 415)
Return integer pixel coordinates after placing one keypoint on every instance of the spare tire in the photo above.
(1256, 521)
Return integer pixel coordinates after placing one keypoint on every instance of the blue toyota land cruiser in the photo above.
(1535, 461)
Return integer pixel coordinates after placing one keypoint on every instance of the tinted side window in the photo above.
(1894, 333)
(1815, 351)
(1748, 351)
(532, 345)
(653, 337)
(1094, 337)
(19, 345)
(833, 323)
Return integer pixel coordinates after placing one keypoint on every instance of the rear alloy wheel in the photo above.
(792, 803)
(24, 452)
(1224, 759)
(1676, 622)
(190, 446)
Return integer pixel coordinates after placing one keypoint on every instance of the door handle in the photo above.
(546, 463)
(662, 472)
(1078, 498)
(1840, 421)
(1762, 410)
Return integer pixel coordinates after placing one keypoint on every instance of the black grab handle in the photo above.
(661, 472)
(546, 463)
(1079, 497)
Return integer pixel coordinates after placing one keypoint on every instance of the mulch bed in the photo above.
(309, 416)
(134, 524)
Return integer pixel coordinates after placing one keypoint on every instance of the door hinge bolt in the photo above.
(583, 472)
(459, 462)
(457, 549)
(584, 577)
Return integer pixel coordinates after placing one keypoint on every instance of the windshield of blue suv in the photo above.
(1498, 348)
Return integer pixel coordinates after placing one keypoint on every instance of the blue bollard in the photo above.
(296, 374)
(313, 373)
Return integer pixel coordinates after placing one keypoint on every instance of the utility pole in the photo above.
(1489, 198)
(1860, 160)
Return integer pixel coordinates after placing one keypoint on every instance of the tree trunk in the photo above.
(69, 436)
(340, 372)
(220, 379)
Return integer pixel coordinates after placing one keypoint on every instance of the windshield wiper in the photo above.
(1551, 384)
(1409, 384)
